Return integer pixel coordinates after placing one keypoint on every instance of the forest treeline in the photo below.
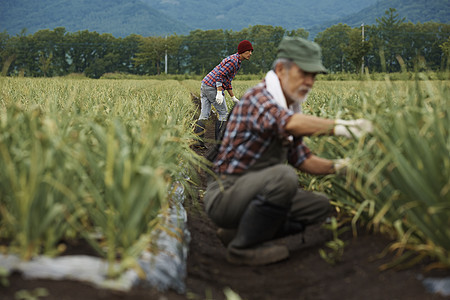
(390, 45)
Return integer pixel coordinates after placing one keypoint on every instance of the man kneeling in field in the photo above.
(256, 197)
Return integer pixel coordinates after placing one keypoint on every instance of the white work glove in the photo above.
(340, 166)
(219, 97)
(350, 128)
(235, 100)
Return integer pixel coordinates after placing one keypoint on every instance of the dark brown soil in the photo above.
(305, 275)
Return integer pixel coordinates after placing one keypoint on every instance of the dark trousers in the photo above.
(227, 199)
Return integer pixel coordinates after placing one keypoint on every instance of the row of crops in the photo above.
(399, 177)
(88, 160)
(98, 160)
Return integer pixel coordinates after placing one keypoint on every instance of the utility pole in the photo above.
(362, 34)
(165, 59)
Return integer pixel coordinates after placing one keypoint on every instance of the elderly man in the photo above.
(256, 197)
(213, 89)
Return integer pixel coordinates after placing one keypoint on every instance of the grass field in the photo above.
(98, 159)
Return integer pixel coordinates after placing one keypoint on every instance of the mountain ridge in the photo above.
(243, 13)
(419, 11)
(166, 17)
(117, 17)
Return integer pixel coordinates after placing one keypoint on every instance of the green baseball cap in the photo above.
(305, 54)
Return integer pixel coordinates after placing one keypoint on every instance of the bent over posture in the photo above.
(256, 197)
(213, 87)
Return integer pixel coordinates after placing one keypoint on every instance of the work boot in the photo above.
(260, 255)
(220, 130)
(259, 224)
(289, 228)
(200, 130)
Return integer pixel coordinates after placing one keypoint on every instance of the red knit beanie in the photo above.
(244, 46)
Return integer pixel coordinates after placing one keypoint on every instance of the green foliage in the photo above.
(153, 49)
(333, 40)
(72, 149)
(231, 295)
(399, 46)
(265, 40)
(298, 33)
(356, 49)
(418, 188)
(4, 277)
(383, 76)
(398, 180)
(446, 50)
(205, 50)
(97, 160)
(392, 45)
(36, 176)
(35, 294)
(335, 246)
(58, 53)
(163, 76)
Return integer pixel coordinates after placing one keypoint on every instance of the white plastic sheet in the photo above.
(438, 285)
(164, 270)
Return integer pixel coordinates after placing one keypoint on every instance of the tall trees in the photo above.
(7, 55)
(22, 49)
(391, 45)
(395, 42)
(333, 41)
(83, 49)
(356, 48)
(51, 50)
(265, 40)
(204, 50)
(387, 41)
(298, 32)
(152, 50)
(127, 49)
(104, 57)
(446, 51)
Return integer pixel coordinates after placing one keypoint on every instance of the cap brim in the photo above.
(312, 68)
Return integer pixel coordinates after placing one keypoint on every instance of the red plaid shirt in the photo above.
(254, 123)
(224, 72)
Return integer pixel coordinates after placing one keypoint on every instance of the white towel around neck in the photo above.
(274, 87)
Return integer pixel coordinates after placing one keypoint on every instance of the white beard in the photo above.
(298, 101)
(301, 100)
(274, 87)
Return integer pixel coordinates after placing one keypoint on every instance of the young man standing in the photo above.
(213, 89)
